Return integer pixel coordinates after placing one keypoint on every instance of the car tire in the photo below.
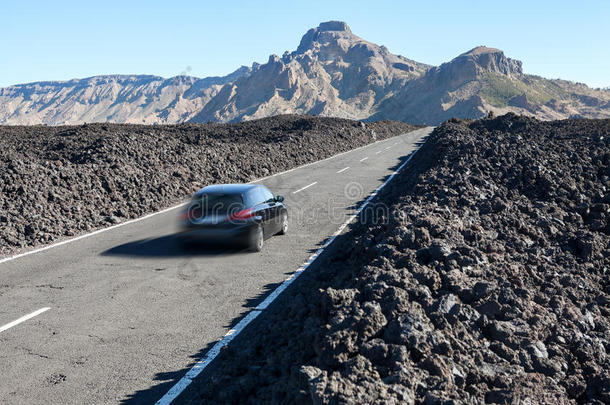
(256, 239)
(284, 224)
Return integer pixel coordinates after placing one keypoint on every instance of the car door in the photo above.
(272, 212)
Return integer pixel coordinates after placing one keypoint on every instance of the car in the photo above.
(244, 214)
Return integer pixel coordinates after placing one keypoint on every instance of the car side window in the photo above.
(267, 195)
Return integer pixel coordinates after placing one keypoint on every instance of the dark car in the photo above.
(246, 214)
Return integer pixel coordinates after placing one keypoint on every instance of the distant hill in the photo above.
(331, 73)
(137, 99)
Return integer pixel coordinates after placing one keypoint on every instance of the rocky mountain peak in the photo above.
(480, 50)
(327, 32)
(491, 60)
(333, 72)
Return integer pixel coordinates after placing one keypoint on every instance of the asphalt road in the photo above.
(129, 309)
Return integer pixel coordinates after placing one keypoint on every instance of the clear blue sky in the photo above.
(59, 40)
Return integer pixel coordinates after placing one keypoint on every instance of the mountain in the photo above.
(484, 79)
(140, 99)
(331, 73)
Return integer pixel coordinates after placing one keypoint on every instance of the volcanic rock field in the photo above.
(57, 182)
(488, 283)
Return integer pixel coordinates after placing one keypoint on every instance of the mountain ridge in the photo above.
(484, 80)
(332, 72)
(121, 98)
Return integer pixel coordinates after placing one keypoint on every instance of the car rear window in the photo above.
(255, 197)
(217, 204)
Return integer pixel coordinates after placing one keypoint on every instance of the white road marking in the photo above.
(215, 350)
(210, 355)
(131, 221)
(328, 158)
(389, 147)
(303, 188)
(344, 169)
(364, 158)
(23, 319)
(378, 152)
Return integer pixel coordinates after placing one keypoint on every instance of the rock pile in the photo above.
(489, 283)
(61, 181)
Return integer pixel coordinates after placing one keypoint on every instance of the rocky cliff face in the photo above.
(333, 72)
(114, 98)
(470, 66)
(491, 60)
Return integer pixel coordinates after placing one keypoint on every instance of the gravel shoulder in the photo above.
(58, 182)
(488, 283)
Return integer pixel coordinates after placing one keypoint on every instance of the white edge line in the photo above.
(131, 221)
(344, 169)
(23, 319)
(303, 188)
(63, 242)
(215, 350)
(210, 355)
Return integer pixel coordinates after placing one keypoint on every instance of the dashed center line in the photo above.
(23, 319)
(364, 158)
(344, 169)
(388, 148)
(303, 188)
(378, 152)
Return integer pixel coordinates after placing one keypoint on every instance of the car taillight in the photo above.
(243, 214)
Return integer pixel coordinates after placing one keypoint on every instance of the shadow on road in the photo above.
(169, 246)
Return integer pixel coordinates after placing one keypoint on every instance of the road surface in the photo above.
(118, 317)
